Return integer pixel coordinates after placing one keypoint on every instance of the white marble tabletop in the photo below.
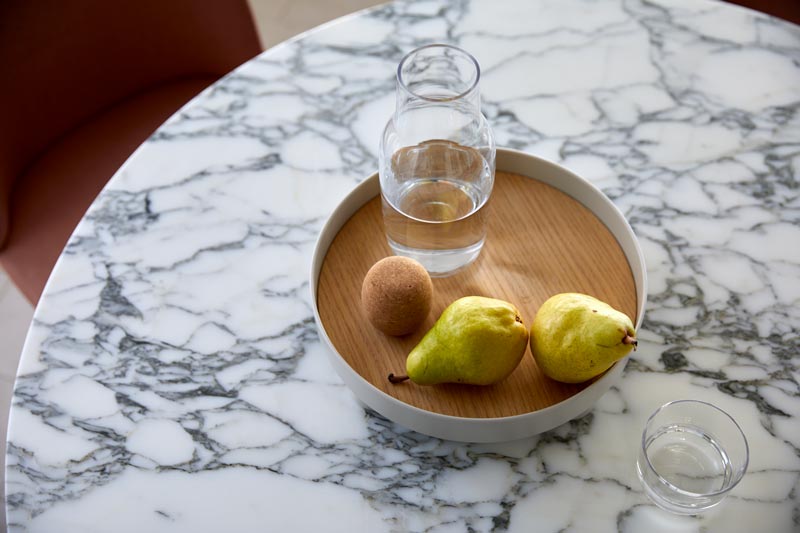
(173, 378)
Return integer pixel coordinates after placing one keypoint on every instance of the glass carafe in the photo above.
(437, 161)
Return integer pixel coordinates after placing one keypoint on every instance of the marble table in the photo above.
(173, 378)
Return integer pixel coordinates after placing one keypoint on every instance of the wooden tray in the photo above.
(541, 240)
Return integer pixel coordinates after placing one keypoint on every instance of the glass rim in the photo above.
(440, 99)
(683, 492)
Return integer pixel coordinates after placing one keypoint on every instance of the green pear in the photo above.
(476, 340)
(576, 337)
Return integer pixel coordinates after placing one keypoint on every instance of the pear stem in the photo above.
(630, 340)
(397, 379)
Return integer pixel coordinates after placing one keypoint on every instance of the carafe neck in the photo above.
(438, 75)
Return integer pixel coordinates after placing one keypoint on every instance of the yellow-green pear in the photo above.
(576, 337)
(476, 340)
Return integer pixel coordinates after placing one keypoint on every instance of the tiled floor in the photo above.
(277, 20)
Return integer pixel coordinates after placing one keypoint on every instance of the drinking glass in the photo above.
(437, 161)
(692, 454)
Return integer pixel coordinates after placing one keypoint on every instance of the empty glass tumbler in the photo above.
(437, 161)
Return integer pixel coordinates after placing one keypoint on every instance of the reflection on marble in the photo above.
(174, 380)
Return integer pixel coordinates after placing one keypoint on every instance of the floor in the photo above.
(277, 20)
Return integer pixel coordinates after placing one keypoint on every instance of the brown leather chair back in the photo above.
(84, 82)
(66, 60)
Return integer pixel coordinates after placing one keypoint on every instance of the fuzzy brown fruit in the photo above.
(396, 295)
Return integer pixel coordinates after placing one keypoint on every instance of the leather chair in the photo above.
(85, 83)
(785, 9)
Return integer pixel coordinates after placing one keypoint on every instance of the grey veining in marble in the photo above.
(173, 379)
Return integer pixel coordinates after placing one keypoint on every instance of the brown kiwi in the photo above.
(396, 295)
